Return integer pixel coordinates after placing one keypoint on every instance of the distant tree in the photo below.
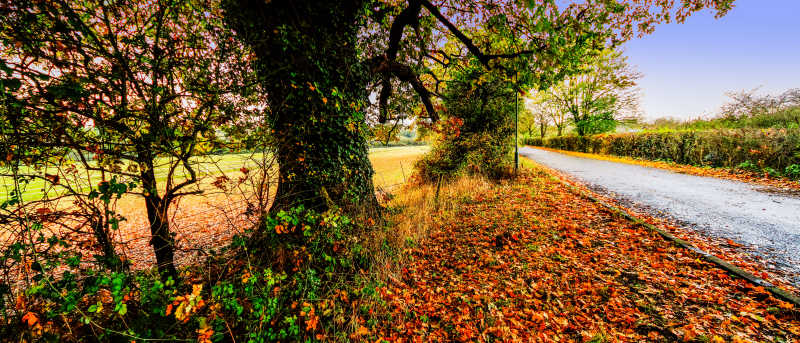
(603, 92)
(386, 133)
(535, 116)
(547, 111)
(558, 118)
(782, 110)
(122, 88)
(745, 109)
(531, 121)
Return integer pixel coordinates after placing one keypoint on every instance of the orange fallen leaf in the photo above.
(362, 331)
(30, 319)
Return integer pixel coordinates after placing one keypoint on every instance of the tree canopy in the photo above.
(119, 87)
(535, 43)
(603, 92)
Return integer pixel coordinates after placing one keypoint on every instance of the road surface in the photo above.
(766, 222)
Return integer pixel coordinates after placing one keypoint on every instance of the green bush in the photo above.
(282, 288)
(747, 165)
(756, 149)
(476, 137)
(482, 153)
(793, 171)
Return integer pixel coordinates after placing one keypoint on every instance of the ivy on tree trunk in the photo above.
(308, 62)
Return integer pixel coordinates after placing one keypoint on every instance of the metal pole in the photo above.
(516, 130)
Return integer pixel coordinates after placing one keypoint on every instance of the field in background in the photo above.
(392, 166)
(206, 167)
(213, 218)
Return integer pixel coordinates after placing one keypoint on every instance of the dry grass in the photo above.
(393, 166)
(413, 212)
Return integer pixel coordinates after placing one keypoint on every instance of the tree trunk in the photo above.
(579, 122)
(308, 63)
(110, 258)
(543, 129)
(160, 237)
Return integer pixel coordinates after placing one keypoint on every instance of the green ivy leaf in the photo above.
(123, 309)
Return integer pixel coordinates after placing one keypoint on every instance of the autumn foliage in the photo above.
(531, 260)
(103, 100)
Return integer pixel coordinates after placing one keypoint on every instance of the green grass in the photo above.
(392, 166)
(207, 166)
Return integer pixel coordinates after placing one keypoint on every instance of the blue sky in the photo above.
(689, 67)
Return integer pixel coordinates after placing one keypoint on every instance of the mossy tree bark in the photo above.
(309, 66)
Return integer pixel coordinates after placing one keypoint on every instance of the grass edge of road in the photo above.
(728, 267)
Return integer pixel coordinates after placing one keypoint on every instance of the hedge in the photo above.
(762, 148)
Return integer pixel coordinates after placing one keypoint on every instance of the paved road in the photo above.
(767, 222)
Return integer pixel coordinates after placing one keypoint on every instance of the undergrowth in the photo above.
(310, 277)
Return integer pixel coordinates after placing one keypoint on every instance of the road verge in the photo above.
(730, 268)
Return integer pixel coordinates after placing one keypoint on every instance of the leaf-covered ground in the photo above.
(529, 260)
(743, 256)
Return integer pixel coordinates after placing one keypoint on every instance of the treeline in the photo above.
(745, 110)
(775, 151)
(754, 132)
(593, 101)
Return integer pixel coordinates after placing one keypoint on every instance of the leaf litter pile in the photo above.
(743, 256)
(529, 260)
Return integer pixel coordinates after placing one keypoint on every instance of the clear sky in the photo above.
(689, 67)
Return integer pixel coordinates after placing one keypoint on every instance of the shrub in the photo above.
(478, 154)
(754, 149)
(476, 137)
(771, 172)
(292, 285)
(747, 165)
(793, 171)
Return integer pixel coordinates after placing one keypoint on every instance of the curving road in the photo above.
(767, 222)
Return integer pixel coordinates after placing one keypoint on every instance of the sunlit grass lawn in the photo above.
(392, 166)
(213, 165)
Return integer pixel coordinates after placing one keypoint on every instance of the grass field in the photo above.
(209, 166)
(392, 166)
(212, 218)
